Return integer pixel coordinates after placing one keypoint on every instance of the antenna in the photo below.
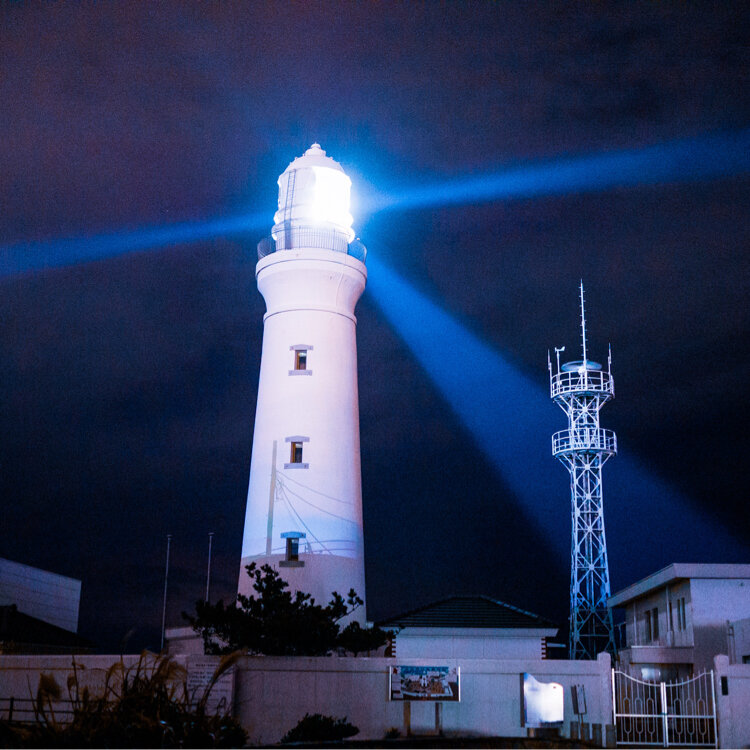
(609, 358)
(557, 353)
(583, 449)
(583, 328)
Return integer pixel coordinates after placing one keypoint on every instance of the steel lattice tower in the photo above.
(580, 389)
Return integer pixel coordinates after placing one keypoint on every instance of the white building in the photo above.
(49, 597)
(304, 503)
(469, 627)
(679, 618)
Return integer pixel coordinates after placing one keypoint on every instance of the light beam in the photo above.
(511, 419)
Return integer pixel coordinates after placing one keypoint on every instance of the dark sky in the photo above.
(128, 384)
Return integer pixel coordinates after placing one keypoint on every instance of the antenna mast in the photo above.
(580, 389)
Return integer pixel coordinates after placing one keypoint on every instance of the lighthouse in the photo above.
(304, 502)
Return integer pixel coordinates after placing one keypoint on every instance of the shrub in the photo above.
(145, 705)
(319, 728)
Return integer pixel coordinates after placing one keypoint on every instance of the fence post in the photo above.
(665, 725)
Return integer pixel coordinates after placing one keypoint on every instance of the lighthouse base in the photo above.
(319, 576)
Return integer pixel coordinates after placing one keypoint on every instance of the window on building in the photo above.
(651, 625)
(296, 453)
(671, 616)
(292, 549)
(291, 558)
(681, 618)
(300, 363)
(296, 443)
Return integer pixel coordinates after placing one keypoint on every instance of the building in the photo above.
(679, 618)
(47, 596)
(39, 611)
(304, 502)
(469, 627)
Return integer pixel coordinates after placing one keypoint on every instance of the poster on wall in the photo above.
(425, 683)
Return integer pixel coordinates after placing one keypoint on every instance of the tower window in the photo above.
(296, 457)
(300, 362)
(296, 443)
(291, 559)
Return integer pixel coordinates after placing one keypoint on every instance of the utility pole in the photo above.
(164, 608)
(208, 572)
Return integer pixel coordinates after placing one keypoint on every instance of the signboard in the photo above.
(425, 683)
(200, 672)
(542, 702)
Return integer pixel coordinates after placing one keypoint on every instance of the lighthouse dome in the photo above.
(314, 191)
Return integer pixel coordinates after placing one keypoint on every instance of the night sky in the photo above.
(128, 373)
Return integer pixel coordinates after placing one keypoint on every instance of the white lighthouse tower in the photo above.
(304, 502)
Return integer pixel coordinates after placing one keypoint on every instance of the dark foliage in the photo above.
(277, 623)
(145, 705)
(319, 728)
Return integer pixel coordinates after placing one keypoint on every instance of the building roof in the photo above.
(468, 612)
(676, 572)
(22, 633)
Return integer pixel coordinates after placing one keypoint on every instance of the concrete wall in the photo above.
(471, 643)
(19, 678)
(739, 644)
(733, 708)
(41, 594)
(272, 694)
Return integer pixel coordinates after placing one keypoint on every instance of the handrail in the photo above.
(291, 237)
(584, 438)
(593, 381)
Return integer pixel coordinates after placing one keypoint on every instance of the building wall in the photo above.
(732, 708)
(272, 694)
(661, 600)
(739, 645)
(715, 603)
(470, 643)
(41, 594)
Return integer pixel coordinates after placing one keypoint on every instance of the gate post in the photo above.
(665, 723)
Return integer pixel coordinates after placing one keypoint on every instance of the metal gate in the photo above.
(665, 714)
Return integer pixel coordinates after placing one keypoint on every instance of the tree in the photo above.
(277, 623)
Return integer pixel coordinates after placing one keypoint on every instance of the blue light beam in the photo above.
(700, 158)
(25, 257)
(511, 420)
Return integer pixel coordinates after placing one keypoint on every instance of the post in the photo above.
(164, 608)
(208, 572)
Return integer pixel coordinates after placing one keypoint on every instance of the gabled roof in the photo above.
(468, 612)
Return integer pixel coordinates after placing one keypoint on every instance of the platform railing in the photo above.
(582, 439)
(292, 237)
(594, 381)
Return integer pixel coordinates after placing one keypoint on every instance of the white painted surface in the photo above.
(310, 294)
(271, 694)
(47, 596)
(733, 709)
(715, 595)
(471, 643)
